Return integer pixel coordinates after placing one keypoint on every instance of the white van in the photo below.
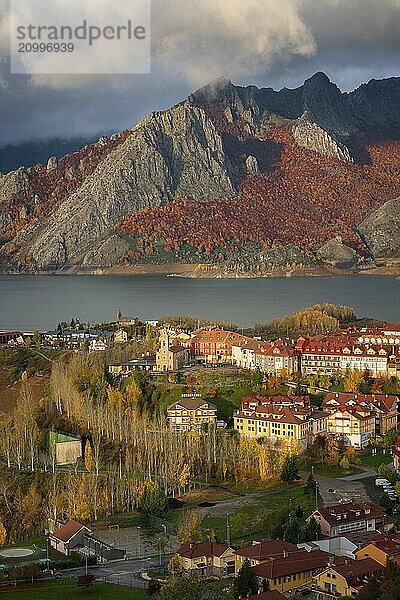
(381, 482)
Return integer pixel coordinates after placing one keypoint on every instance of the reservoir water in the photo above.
(30, 302)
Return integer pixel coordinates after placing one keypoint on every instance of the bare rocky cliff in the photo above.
(178, 152)
(381, 230)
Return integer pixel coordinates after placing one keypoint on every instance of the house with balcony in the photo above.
(207, 558)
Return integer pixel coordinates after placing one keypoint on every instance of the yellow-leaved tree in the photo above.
(88, 456)
(3, 535)
(133, 394)
(183, 478)
(352, 380)
(190, 530)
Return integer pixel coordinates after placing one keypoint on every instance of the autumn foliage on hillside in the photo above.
(319, 318)
(300, 198)
(46, 188)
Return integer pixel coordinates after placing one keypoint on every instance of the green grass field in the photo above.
(334, 471)
(68, 590)
(367, 460)
(259, 517)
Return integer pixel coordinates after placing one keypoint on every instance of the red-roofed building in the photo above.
(69, 537)
(385, 549)
(340, 352)
(355, 425)
(383, 406)
(214, 345)
(345, 518)
(269, 357)
(279, 420)
(207, 558)
(348, 578)
(261, 551)
(293, 569)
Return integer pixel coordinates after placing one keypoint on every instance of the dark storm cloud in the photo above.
(269, 43)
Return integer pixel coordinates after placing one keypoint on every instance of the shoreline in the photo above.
(211, 271)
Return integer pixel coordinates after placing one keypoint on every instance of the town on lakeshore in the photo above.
(175, 452)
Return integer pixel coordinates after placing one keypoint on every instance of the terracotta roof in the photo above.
(338, 344)
(276, 413)
(278, 349)
(295, 562)
(390, 546)
(176, 349)
(192, 404)
(362, 538)
(215, 335)
(191, 550)
(384, 402)
(282, 400)
(352, 570)
(263, 549)
(347, 513)
(69, 530)
(358, 412)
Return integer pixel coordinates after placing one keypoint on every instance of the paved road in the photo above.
(335, 491)
(366, 472)
(345, 489)
(121, 572)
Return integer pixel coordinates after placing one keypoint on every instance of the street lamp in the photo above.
(316, 488)
(228, 532)
(139, 549)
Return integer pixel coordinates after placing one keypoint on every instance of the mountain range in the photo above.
(236, 179)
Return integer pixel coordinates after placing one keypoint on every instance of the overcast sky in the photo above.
(273, 43)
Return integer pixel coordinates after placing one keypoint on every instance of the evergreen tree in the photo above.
(290, 469)
(299, 512)
(311, 484)
(370, 591)
(193, 588)
(312, 530)
(386, 503)
(293, 533)
(245, 582)
(390, 587)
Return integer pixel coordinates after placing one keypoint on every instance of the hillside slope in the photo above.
(232, 174)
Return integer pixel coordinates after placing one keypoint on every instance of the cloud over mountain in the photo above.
(269, 43)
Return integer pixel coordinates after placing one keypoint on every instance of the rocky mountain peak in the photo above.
(229, 152)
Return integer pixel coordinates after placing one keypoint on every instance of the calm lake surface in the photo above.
(31, 302)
